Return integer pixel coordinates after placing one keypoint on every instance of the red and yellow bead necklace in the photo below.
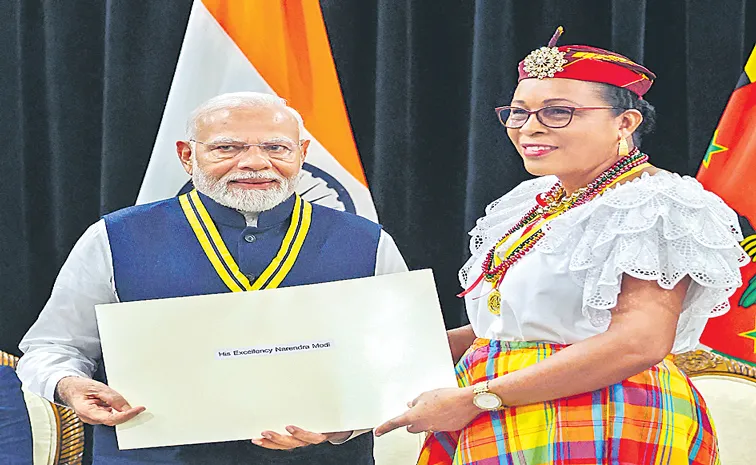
(548, 206)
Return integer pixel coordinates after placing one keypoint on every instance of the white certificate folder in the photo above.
(336, 356)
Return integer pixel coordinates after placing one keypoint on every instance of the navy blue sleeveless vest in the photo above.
(156, 255)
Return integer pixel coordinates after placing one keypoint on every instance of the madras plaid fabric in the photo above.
(655, 417)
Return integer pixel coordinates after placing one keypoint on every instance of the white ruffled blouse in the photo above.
(658, 227)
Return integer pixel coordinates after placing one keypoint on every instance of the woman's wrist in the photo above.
(460, 339)
(465, 400)
(502, 386)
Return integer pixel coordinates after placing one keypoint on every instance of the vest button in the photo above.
(250, 238)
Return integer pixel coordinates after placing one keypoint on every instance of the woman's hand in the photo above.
(449, 409)
(460, 339)
(297, 437)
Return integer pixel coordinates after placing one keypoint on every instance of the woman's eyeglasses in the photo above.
(554, 117)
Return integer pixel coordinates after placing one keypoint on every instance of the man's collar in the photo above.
(230, 217)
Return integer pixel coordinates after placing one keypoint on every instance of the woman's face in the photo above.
(587, 145)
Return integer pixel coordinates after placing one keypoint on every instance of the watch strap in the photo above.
(481, 387)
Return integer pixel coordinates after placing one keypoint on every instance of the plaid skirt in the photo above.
(654, 417)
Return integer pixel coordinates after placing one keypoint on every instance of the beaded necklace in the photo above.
(549, 205)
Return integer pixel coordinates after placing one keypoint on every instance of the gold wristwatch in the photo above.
(485, 399)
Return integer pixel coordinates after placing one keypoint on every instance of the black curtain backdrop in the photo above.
(83, 84)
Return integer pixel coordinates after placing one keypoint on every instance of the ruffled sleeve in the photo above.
(501, 215)
(662, 228)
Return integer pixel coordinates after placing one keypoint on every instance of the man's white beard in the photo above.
(245, 200)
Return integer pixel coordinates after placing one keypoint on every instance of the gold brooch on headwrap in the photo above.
(546, 61)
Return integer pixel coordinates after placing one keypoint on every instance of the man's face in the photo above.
(255, 178)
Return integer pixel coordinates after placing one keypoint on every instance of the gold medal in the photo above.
(494, 302)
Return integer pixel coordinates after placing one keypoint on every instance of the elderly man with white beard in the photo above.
(242, 228)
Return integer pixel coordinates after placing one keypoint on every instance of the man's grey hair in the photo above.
(238, 100)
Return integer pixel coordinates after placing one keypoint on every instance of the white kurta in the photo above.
(662, 228)
(65, 342)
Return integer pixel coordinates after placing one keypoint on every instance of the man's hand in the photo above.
(297, 437)
(95, 403)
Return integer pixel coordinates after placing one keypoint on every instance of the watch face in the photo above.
(487, 401)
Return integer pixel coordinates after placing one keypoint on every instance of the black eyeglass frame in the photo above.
(540, 117)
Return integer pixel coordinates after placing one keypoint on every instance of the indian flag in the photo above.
(268, 46)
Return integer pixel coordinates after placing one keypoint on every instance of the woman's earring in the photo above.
(624, 149)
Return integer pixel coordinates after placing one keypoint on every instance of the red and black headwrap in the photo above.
(585, 63)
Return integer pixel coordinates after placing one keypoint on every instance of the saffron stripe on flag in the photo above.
(288, 44)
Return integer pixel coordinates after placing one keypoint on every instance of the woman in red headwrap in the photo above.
(581, 283)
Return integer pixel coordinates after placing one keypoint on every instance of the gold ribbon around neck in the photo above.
(224, 264)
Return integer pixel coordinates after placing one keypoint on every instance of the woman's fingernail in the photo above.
(257, 442)
(290, 429)
(266, 435)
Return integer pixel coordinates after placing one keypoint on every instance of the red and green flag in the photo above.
(729, 170)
